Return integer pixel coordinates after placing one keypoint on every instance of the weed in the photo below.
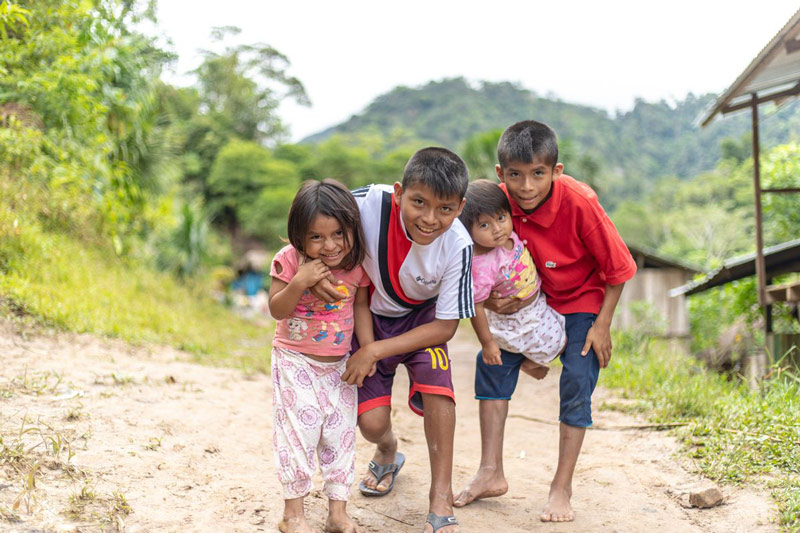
(118, 507)
(120, 378)
(79, 500)
(154, 443)
(8, 515)
(37, 383)
(28, 494)
(74, 414)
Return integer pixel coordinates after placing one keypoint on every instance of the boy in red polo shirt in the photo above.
(584, 264)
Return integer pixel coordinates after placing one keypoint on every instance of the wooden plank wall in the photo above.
(653, 285)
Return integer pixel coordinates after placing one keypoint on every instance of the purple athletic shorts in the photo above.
(428, 368)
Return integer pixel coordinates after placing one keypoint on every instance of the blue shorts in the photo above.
(578, 376)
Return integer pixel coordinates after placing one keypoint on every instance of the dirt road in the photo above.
(158, 443)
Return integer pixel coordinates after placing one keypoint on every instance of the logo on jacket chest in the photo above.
(426, 282)
(550, 264)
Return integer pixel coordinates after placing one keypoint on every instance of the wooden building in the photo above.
(655, 277)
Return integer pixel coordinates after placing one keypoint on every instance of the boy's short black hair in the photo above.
(484, 197)
(525, 140)
(332, 199)
(439, 169)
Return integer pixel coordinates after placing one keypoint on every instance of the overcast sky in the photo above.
(601, 53)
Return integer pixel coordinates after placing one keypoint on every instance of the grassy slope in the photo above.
(67, 284)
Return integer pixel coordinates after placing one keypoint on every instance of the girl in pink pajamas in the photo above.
(314, 410)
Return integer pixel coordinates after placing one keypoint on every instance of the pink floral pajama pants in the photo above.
(314, 415)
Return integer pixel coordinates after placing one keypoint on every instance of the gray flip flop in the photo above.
(438, 522)
(381, 470)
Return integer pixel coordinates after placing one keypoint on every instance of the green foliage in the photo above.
(246, 178)
(705, 220)
(716, 309)
(185, 249)
(781, 169)
(12, 17)
(243, 86)
(80, 77)
(480, 154)
(734, 433)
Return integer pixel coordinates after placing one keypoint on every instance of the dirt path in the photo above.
(161, 444)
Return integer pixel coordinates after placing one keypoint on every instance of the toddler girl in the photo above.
(503, 265)
(314, 410)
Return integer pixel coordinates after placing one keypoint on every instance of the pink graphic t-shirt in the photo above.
(509, 272)
(316, 327)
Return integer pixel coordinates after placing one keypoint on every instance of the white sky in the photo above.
(603, 53)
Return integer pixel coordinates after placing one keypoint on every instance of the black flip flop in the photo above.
(438, 522)
(381, 470)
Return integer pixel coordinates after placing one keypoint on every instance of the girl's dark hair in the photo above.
(332, 199)
(484, 197)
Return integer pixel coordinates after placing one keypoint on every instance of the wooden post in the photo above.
(760, 267)
(757, 361)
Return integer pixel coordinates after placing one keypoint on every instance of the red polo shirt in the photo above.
(576, 248)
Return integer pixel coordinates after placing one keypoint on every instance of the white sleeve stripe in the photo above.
(471, 301)
(361, 191)
(465, 299)
(468, 281)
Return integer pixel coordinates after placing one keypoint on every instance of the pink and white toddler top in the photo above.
(407, 275)
(509, 272)
(317, 327)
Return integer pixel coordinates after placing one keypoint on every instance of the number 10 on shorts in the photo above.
(438, 355)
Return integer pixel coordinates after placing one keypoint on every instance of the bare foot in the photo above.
(341, 524)
(487, 483)
(534, 369)
(295, 524)
(558, 508)
(381, 457)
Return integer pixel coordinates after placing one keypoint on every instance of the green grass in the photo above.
(62, 282)
(735, 434)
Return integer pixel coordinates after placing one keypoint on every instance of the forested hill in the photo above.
(651, 140)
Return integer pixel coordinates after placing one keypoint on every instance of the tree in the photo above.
(480, 154)
(246, 177)
(241, 88)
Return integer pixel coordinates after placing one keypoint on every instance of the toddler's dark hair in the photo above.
(525, 140)
(484, 197)
(330, 198)
(440, 170)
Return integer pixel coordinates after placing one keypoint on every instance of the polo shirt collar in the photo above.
(545, 214)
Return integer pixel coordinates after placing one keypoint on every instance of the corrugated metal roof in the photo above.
(779, 259)
(775, 70)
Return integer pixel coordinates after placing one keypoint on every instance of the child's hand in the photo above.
(360, 365)
(310, 272)
(325, 289)
(505, 306)
(599, 338)
(491, 354)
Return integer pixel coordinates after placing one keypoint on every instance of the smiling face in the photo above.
(326, 240)
(528, 184)
(425, 215)
(491, 231)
